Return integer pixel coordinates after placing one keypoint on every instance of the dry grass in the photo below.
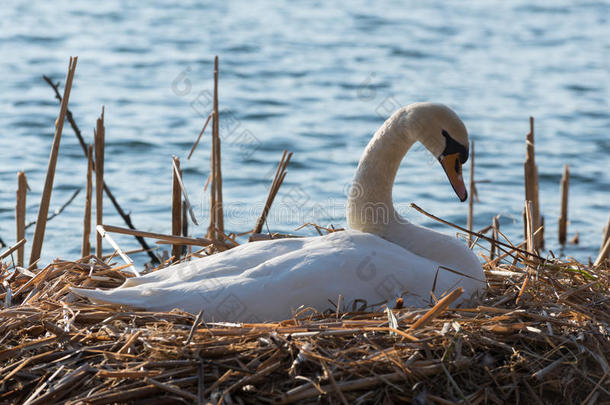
(551, 347)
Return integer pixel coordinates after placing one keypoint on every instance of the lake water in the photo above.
(315, 79)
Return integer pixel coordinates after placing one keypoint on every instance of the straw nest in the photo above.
(539, 335)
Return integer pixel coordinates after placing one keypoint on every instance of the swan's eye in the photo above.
(452, 146)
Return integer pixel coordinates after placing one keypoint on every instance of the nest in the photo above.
(539, 335)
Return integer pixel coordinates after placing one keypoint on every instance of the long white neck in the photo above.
(369, 206)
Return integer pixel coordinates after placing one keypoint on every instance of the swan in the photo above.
(381, 257)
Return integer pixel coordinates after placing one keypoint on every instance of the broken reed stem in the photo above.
(477, 234)
(495, 229)
(176, 208)
(86, 246)
(529, 224)
(563, 217)
(603, 254)
(437, 309)
(278, 179)
(22, 188)
(531, 183)
(102, 232)
(10, 250)
(99, 137)
(126, 217)
(189, 207)
(471, 191)
(200, 135)
(605, 237)
(185, 224)
(43, 211)
(168, 238)
(216, 214)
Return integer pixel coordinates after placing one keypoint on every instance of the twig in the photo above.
(200, 134)
(86, 246)
(479, 235)
(100, 229)
(59, 210)
(171, 388)
(10, 250)
(280, 173)
(43, 210)
(126, 217)
(22, 188)
(169, 238)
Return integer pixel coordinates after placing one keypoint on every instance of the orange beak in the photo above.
(453, 169)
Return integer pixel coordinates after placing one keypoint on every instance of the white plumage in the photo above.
(381, 258)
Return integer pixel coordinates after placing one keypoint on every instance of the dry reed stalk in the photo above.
(563, 217)
(185, 227)
(437, 309)
(99, 137)
(529, 226)
(102, 232)
(22, 189)
(86, 246)
(471, 191)
(605, 237)
(176, 208)
(603, 254)
(189, 207)
(278, 179)
(125, 216)
(200, 135)
(495, 229)
(43, 211)
(216, 209)
(167, 238)
(218, 173)
(531, 182)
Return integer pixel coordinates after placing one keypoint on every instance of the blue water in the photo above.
(318, 80)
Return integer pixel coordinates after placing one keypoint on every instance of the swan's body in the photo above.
(383, 257)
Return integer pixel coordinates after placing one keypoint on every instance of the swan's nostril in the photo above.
(457, 166)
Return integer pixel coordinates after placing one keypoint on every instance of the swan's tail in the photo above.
(115, 296)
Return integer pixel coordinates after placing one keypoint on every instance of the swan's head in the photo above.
(444, 134)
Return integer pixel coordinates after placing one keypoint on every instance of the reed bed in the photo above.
(545, 343)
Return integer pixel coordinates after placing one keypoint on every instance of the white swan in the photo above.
(382, 257)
